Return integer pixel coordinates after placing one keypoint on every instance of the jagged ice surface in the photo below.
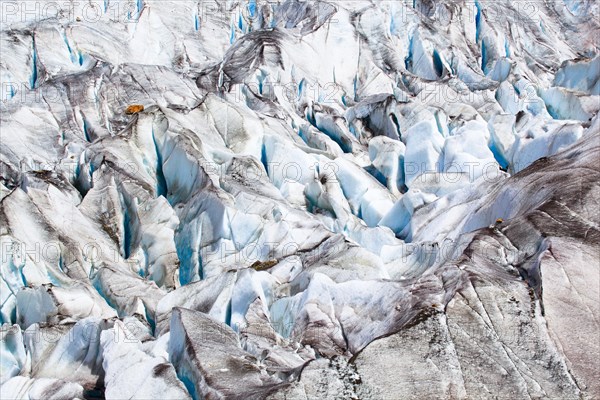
(344, 199)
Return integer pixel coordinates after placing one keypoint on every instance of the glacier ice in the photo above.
(317, 199)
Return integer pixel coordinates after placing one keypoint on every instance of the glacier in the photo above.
(299, 199)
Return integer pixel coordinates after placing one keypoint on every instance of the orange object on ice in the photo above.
(134, 109)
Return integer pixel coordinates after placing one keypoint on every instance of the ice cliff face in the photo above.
(299, 199)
